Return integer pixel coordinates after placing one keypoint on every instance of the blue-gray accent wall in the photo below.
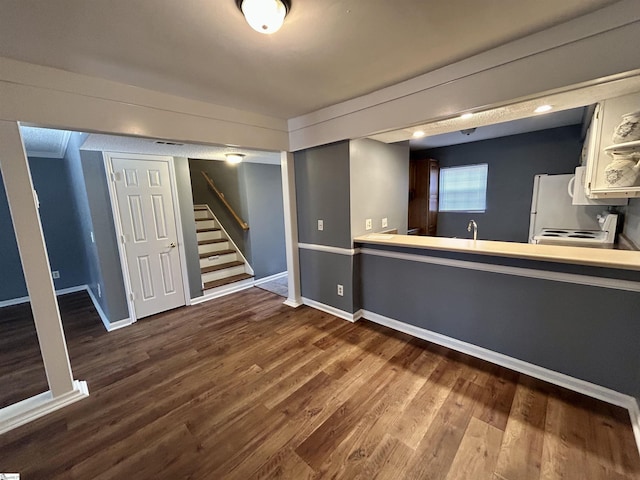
(113, 300)
(12, 283)
(55, 184)
(513, 162)
(322, 193)
(586, 332)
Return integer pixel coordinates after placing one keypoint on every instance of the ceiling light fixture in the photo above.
(466, 116)
(543, 108)
(418, 134)
(264, 16)
(234, 157)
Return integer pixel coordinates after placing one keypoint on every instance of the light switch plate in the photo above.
(55, 274)
(367, 224)
(320, 225)
(385, 222)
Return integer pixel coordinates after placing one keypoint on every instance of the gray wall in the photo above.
(113, 300)
(12, 284)
(321, 272)
(379, 175)
(61, 225)
(587, 332)
(632, 221)
(263, 187)
(60, 222)
(322, 192)
(185, 199)
(255, 192)
(513, 162)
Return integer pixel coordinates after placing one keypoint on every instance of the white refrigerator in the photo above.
(551, 207)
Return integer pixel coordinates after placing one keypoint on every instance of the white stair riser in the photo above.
(217, 260)
(200, 214)
(209, 235)
(220, 274)
(206, 224)
(213, 247)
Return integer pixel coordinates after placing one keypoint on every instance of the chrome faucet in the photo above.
(472, 223)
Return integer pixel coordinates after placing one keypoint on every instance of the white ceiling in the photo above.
(515, 127)
(327, 51)
(45, 142)
(115, 143)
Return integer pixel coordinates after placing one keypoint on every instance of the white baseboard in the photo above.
(270, 278)
(556, 378)
(292, 302)
(351, 317)
(62, 291)
(110, 326)
(33, 408)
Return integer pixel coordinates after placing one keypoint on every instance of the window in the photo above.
(463, 189)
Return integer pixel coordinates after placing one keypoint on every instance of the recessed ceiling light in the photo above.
(466, 116)
(543, 108)
(418, 134)
(234, 157)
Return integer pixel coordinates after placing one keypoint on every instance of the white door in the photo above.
(147, 217)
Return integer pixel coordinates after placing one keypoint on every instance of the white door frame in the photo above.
(108, 165)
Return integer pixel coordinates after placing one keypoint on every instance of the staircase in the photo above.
(221, 263)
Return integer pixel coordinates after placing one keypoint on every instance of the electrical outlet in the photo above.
(368, 225)
(55, 274)
(320, 225)
(340, 290)
(385, 222)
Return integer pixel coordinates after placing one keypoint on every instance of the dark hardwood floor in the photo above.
(245, 388)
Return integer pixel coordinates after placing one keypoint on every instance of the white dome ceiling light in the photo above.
(264, 16)
(234, 157)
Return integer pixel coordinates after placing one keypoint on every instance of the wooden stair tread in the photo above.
(225, 281)
(213, 240)
(222, 266)
(212, 229)
(215, 254)
(199, 208)
(208, 219)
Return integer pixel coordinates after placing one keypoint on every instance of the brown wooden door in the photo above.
(423, 195)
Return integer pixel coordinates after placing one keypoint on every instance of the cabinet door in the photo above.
(423, 195)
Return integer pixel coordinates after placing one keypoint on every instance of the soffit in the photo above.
(328, 51)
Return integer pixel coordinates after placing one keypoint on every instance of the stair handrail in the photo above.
(242, 223)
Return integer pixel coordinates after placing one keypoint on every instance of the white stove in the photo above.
(603, 238)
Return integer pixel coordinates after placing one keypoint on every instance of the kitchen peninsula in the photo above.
(568, 315)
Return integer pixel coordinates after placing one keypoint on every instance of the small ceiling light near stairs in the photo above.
(264, 16)
(234, 157)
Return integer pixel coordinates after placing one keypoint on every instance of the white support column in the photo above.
(35, 261)
(291, 228)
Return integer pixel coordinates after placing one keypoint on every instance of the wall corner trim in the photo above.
(350, 317)
(38, 406)
(541, 373)
(109, 326)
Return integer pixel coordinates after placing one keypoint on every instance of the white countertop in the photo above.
(599, 257)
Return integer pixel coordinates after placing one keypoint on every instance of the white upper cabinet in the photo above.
(600, 180)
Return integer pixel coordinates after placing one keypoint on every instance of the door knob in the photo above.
(172, 245)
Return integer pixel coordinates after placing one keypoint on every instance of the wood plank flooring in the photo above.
(245, 388)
